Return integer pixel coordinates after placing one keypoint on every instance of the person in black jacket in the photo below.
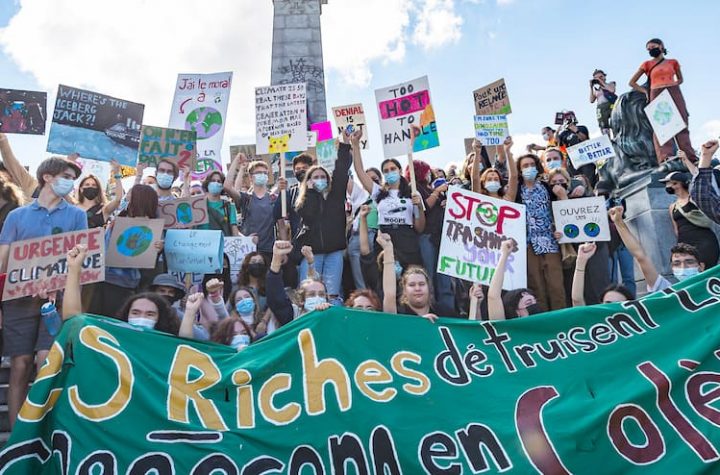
(321, 206)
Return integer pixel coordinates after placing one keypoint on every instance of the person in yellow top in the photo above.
(664, 74)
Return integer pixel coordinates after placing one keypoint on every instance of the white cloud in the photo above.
(437, 24)
(521, 141)
(505, 2)
(710, 130)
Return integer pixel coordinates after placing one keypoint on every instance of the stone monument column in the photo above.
(297, 51)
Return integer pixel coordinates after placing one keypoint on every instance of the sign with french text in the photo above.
(581, 220)
(175, 145)
(193, 250)
(281, 118)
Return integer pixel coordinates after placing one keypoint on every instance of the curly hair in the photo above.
(415, 270)
(10, 192)
(538, 165)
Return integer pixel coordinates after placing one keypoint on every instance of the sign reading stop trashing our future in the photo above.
(630, 387)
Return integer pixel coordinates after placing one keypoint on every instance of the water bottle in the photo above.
(51, 318)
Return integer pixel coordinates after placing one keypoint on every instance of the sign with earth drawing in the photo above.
(131, 244)
(200, 105)
(665, 117)
(184, 212)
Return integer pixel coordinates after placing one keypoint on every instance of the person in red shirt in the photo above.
(663, 73)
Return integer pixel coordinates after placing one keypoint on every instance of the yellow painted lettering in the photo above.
(316, 374)
(246, 412)
(398, 366)
(278, 416)
(371, 372)
(31, 412)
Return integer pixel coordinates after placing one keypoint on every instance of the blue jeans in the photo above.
(354, 257)
(621, 260)
(330, 268)
(442, 283)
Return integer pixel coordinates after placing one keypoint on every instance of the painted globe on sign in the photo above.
(134, 241)
(571, 231)
(184, 213)
(205, 121)
(592, 229)
(663, 113)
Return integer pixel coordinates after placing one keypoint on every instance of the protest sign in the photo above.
(95, 126)
(591, 151)
(312, 138)
(324, 131)
(132, 243)
(492, 99)
(236, 248)
(581, 219)
(350, 118)
(40, 263)
(468, 145)
(401, 107)
(474, 227)
(178, 146)
(665, 117)
(621, 388)
(326, 154)
(200, 105)
(491, 129)
(22, 112)
(281, 118)
(184, 212)
(192, 250)
(188, 279)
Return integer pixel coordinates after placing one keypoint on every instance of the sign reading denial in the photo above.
(591, 151)
(492, 99)
(184, 212)
(402, 106)
(178, 146)
(281, 118)
(581, 219)
(350, 118)
(40, 264)
(475, 226)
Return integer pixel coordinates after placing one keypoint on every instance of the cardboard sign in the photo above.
(184, 212)
(178, 146)
(200, 105)
(22, 112)
(491, 129)
(474, 227)
(402, 106)
(95, 126)
(132, 243)
(312, 138)
(281, 118)
(324, 131)
(193, 250)
(591, 151)
(468, 145)
(350, 118)
(40, 263)
(581, 219)
(236, 248)
(665, 117)
(326, 154)
(492, 99)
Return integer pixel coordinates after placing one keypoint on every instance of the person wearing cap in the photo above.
(168, 287)
(691, 225)
(49, 213)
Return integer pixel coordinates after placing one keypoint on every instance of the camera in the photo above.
(595, 82)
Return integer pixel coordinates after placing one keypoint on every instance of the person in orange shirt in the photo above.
(662, 74)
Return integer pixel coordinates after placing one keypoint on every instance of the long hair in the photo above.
(415, 270)
(243, 277)
(511, 300)
(10, 192)
(484, 178)
(100, 198)
(302, 191)
(167, 320)
(233, 302)
(225, 330)
(538, 165)
(404, 191)
(143, 203)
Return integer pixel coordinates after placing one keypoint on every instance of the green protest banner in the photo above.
(618, 388)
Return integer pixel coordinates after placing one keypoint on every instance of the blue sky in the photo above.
(546, 51)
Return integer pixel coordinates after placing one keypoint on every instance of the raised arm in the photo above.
(512, 186)
(389, 280)
(475, 177)
(309, 256)
(72, 299)
(235, 169)
(363, 230)
(592, 93)
(631, 243)
(113, 204)
(363, 177)
(277, 299)
(192, 306)
(185, 173)
(585, 252)
(496, 310)
(476, 297)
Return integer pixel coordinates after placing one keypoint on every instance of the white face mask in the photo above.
(682, 273)
(142, 322)
(239, 342)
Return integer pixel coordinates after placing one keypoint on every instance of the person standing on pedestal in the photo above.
(602, 93)
(663, 73)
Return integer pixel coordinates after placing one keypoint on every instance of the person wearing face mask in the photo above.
(222, 212)
(233, 332)
(490, 182)
(548, 135)
(49, 213)
(664, 74)
(515, 303)
(684, 258)
(300, 165)
(691, 225)
(92, 200)
(256, 205)
(165, 175)
(544, 263)
(252, 275)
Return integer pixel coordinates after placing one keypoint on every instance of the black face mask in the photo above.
(90, 193)
(669, 190)
(533, 309)
(257, 269)
(655, 52)
(300, 175)
(170, 299)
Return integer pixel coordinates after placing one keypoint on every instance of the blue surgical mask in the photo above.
(320, 184)
(142, 322)
(392, 177)
(239, 342)
(62, 186)
(554, 164)
(164, 180)
(215, 188)
(260, 179)
(682, 273)
(311, 303)
(492, 186)
(530, 173)
(245, 306)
